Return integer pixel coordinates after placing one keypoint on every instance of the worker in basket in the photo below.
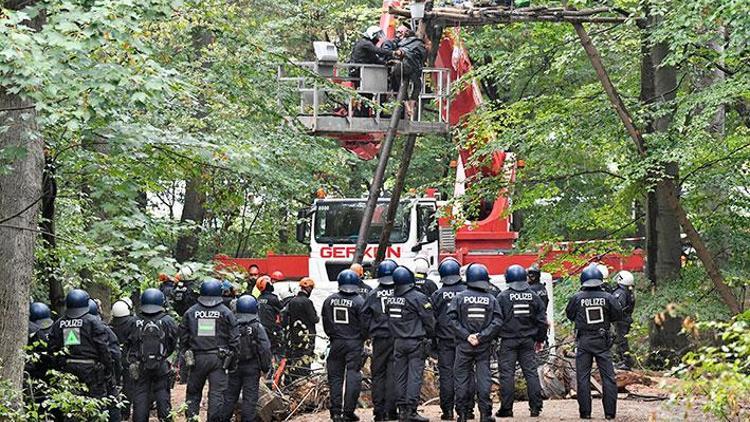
(366, 51)
(409, 58)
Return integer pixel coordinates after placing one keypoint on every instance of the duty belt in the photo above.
(81, 361)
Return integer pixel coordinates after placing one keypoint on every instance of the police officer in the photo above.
(342, 322)
(476, 318)
(269, 312)
(524, 329)
(381, 363)
(592, 310)
(362, 288)
(534, 275)
(625, 294)
(299, 324)
(183, 293)
(114, 383)
(122, 325)
(412, 321)
(450, 277)
(40, 324)
(228, 293)
(86, 340)
(254, 359)
(209, 335)
(424, 284)
(151, 342)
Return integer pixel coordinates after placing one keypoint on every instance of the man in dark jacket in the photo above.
(534, 274)
(411, 54)
(446, 348)
(254, 359)
(342, 322)
(299, 325)
(476, 319)
(381, 362)
(210, 337)
(592, 310)
(151, 342)
(366, 50)
(269, 312)
(523, 331)
(625, 294)
(412, 324)
(114, 383)
(122, 324)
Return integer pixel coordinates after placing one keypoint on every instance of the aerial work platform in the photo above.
(346, 100)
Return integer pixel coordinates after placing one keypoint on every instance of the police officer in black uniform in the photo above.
(122, 324)
(476, 318)
(381, 363)
(524, 328)
(450, 277)
(183, 296)
(40, 324)
(269, 313)
(592, 310)
(114, 383)
(424, 284)
(412, 323)
(254, 359)
(362, 288)
(343, 324)
(534, 275)
(625, 294)
(210, 337)
(152, 340)
(86, 339)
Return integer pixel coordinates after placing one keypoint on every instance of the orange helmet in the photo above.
(307, 282)
(277, 276)
(358, 268)
(262, 283)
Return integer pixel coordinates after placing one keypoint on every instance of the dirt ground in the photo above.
(554, 410)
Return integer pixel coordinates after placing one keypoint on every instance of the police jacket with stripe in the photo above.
(410, 315)
(541, 290)
(86, 338)
(475, 311)
(441, 300)
(593, 310)
(524, 314)
(342, 316)
(208, 329)
(374, 314)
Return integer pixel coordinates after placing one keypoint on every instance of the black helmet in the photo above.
(93, 307)
(152, 301)
(516, 277)
(210, 293)
(403, 279)
(76, 303)
(40, 314)
(591, 276)
(385, 271)
(247, 308)
(534, 273)
(478, 277)
(348, 281)
(450, 271)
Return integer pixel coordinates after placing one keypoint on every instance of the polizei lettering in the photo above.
(449, 295)
(346, 303)
(476, 300)
(384, 293)
(520, 296)
(208, 314)
(593, 301)
(71, 323)
(396, 301)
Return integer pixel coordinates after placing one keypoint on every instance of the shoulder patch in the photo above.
(427, 305)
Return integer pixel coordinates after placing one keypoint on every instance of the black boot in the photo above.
(350, 416)
(447, 415)
(403, 414)
(487, 418)
(393, 416)
(461, 417)
(504, 413)
(416, 417)
(379, 417)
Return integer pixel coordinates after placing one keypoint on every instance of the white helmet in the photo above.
(625, 278)
(421, 266)
(373, 32)
(128, 301)
(120, 309)
(186, 273)
(604, 270)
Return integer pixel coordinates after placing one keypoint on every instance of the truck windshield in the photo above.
(338, 222)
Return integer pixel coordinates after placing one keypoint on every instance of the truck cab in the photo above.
(330, 228)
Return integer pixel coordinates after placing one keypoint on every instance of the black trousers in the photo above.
(344, 366)
(621, 343)
(208, 367)
(592, 346)
(127, 389)
(245, 379)
(408, 363)
(472, 372)
(383, 379)
(149, 387)
(519, 350)
(446, 358)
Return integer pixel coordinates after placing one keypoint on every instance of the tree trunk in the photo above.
(49, 240)
(667, 226)
(194, 211)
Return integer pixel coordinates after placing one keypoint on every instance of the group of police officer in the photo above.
(406, 317)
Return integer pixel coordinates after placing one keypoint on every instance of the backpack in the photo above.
(153, 351)
(248, 341)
